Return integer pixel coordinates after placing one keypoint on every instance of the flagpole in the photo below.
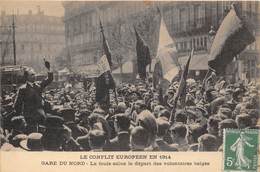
(181, 86)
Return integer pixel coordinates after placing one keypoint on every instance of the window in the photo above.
(194, 44)
(22, 47)
(205, 41)
(181, 19)
(196, 14)
(185, 45)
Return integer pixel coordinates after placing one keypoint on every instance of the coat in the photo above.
(29, 98)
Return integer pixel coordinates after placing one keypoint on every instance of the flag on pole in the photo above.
(143, 55)
(166, 55)
(181, 92)
(232, 37)
(104, 81)
(105, 45)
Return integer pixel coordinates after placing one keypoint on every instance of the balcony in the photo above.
(190, 27)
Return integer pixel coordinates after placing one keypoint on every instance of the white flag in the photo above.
(167, 53)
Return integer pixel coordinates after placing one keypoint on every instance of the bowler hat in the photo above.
(68, 114)
(33, 142)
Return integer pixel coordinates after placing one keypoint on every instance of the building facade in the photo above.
(82, 29)
(188, 23)
(37, 36)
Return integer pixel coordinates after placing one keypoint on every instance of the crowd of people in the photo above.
(139, 118)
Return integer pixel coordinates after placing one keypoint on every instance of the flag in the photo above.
(181, 92)
(104, 81)
(143, 55)
(166, 55)
(232, 37)
(105, 45)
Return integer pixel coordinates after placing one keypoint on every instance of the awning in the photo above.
(198, 62)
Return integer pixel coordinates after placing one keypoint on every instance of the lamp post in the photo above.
(211, 35)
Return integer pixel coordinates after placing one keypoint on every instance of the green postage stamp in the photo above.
(241, 150)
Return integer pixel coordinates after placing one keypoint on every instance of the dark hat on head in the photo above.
(180, 129)
(17, 121)
(84, 112)
(33, 142)
(165, 113)
(228, 123)
(68, 114)
(54, 122)
(202, 109)
(209, 142)
(225, 111)
(181, 116)
(122, 120)
(254, 113)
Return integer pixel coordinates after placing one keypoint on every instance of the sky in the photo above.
(50, 8)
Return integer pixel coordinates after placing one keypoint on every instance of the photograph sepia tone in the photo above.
(127, 76)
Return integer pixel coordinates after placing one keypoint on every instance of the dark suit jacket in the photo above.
(77, 130)
(29, 98)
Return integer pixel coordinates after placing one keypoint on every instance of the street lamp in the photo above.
(211, 36)
(212, 33)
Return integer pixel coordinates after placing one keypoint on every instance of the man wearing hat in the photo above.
(207, 143)
(179, 134)
(19, 126)
(33, 142)
(162, 130)
(68, 115)
(29, 101)
(57, 136)
(122, 140)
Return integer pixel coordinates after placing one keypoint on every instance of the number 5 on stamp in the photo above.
(241, 150)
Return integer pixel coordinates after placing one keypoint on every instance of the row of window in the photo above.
(38, 47)
(198, 43)
(41, 28)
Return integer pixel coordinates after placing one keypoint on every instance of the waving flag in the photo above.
(105, 45)
(143, 55)
(232, 37)
(166, 55)
(181, 92)
(105, 80)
